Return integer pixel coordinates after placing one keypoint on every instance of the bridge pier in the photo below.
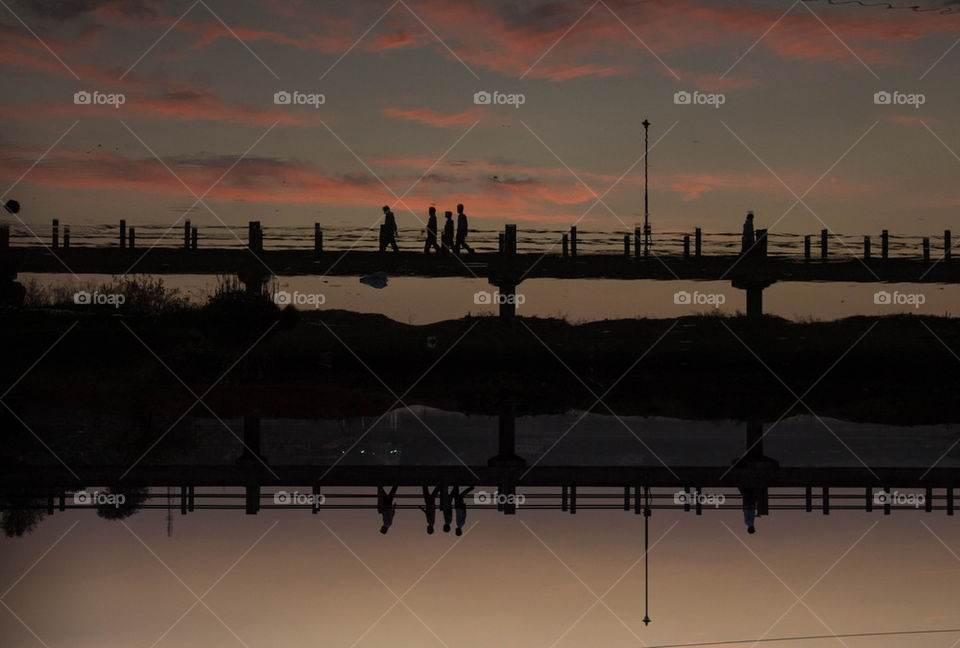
(754, 289)
(251, 442)
(506, 462)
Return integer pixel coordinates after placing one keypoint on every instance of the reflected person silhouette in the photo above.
(459, 503)
(386, 507)
(750, 501)
(429, 507)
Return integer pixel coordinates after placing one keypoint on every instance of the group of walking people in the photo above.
(451, 240)
(452, 501)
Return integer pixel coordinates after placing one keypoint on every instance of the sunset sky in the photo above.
(798, 117)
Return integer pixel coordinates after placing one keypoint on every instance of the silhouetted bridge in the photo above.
(752, 271)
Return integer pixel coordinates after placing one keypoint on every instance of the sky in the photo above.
(782, 118)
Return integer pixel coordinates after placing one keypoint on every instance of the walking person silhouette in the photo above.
(385, 507)
(446, 239)
(431, 232)
(747, 241)
(388, 233)
(462, 232)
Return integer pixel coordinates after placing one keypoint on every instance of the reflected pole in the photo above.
(646, 557)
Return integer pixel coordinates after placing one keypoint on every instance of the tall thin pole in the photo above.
(646, 193)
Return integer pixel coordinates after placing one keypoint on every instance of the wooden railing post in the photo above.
(806, 247)
(510, 240)
(698, 242)
(824, 240)
(123, 233)
(866, 248)
(573, 242)
(55, 234)
(884, 244)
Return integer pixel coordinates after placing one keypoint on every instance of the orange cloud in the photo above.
(435, 117)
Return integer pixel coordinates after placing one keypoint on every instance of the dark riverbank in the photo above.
(333, 364)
